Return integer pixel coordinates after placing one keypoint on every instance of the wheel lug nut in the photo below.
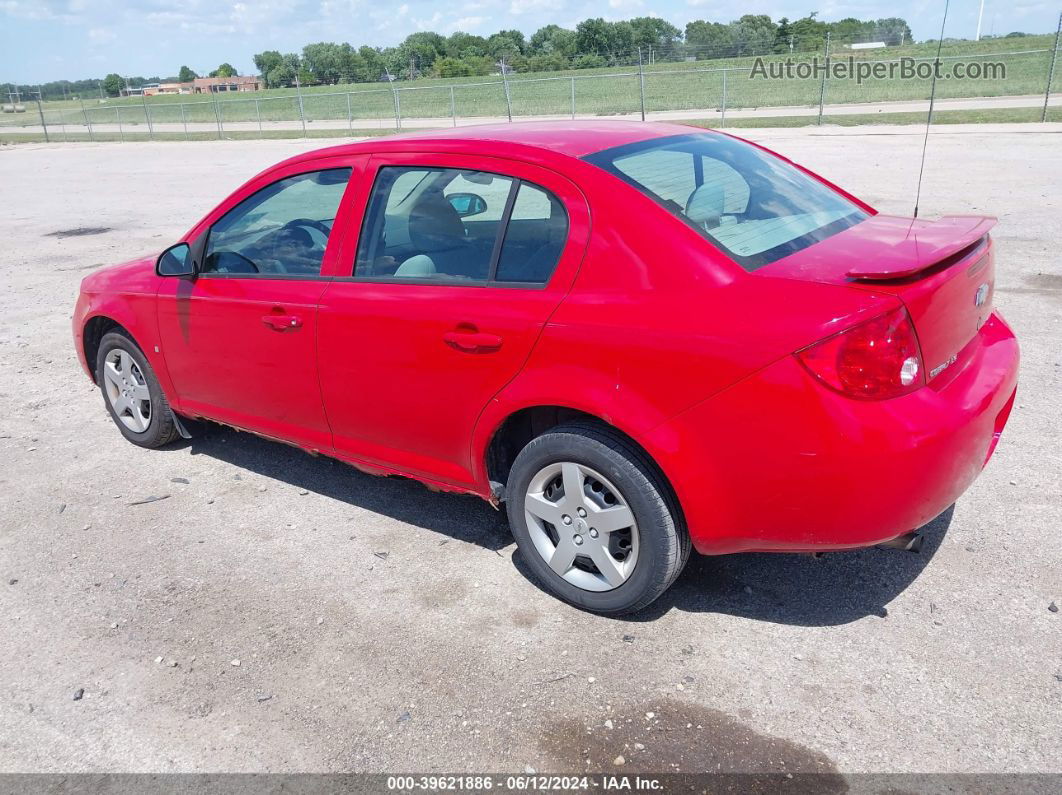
(578, 541)
(566, 519)
(581, 511)
(593, 532)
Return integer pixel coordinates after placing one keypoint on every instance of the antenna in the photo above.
(932, 96)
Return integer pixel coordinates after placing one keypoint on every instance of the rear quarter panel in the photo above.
(658, 320)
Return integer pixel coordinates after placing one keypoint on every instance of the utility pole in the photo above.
(980, 14)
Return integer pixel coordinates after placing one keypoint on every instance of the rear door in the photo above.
(439, 306)
(240, 338)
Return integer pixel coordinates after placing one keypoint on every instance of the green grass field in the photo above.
(668, 86)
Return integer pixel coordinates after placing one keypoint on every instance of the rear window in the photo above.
(753, 206)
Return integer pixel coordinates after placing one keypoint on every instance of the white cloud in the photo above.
(533, 6)
(466, 23)
(430, 23)
(101, 35)
(42, 9)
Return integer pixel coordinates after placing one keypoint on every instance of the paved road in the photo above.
(382, 627)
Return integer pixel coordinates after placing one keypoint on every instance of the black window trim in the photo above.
(199, 248)
(499, 240)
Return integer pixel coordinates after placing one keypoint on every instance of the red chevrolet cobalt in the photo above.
(640, 337)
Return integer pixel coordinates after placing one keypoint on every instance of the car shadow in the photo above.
(461, 517)
(800, 590)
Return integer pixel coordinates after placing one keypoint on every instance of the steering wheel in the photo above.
(318, 225)
(293, 243)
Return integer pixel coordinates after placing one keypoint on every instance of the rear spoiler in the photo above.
(923, 245)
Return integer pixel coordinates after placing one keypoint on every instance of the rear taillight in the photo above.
(877, 359)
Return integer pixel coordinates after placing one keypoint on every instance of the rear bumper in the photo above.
(778, 462)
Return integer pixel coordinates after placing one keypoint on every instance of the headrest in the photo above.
(706, 204)
(434, 225)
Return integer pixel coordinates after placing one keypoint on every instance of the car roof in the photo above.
(571, 138)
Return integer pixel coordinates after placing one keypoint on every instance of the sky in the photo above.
(43, 40)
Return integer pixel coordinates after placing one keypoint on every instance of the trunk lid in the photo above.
(942, 270)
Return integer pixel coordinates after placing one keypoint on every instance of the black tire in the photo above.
(161, 429)
(663, 540)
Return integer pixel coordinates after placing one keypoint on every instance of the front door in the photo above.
(239, 340)
(459, 264)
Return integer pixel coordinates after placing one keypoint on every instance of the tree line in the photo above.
(591, 44)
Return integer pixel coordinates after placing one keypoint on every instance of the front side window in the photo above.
(282, 229)
(458, 226)
(752, 205)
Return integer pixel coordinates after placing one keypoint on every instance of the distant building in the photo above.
(213, 85)
(867, 45)
(168, 88)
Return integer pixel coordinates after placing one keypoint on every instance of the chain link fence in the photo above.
(695, 89)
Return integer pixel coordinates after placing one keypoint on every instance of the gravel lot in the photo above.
(382, 627)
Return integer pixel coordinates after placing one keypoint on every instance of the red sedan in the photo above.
(640, 337)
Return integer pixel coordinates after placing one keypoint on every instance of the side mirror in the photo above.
(467, 204)
(176, 261)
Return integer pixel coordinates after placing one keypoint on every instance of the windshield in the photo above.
(755, 207)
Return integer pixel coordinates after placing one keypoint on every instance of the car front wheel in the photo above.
(593, 519)
(132, 394)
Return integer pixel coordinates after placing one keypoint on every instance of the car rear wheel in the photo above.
(594, 520)
(132, 394)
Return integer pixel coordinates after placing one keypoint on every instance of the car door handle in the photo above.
(472, 341)
(282, 322)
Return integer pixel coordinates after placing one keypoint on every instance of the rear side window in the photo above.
(755, 207)
(456, 226)
(534, 237)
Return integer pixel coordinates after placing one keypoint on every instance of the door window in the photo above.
(443, 225)
(282, 229)
(534, 237)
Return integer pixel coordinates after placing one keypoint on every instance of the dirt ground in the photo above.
(381, 627)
